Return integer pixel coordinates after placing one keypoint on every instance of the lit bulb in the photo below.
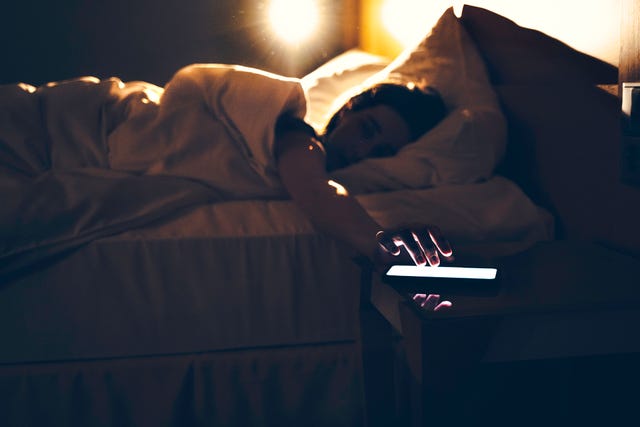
(293, 20)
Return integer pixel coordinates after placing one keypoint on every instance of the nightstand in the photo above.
(562, 336)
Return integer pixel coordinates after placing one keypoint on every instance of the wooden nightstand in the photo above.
(562, 336)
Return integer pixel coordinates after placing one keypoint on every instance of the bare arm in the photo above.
(301, 164)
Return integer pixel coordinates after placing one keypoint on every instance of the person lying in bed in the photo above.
(375, 123)
(215, 132)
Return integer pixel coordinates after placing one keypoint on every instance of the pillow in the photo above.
(466, 146)
(517, 55)
(337, 76)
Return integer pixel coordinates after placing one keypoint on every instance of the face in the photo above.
(378, 131)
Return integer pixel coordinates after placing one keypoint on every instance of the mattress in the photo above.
(225, 276)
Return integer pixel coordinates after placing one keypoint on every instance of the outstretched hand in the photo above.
(425, 244)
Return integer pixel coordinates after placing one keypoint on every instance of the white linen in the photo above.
(165, 149)
(85, 158)
(223, 276)
(213, 123)
(231, 275)
(463, 148)
(326, 85)
(492, 212)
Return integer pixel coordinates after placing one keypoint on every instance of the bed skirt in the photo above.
(303, 385)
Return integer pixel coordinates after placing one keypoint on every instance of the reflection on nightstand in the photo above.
(563, 337)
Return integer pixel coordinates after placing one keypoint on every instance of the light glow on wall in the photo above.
(409, 20)
(294, 21)
(590, 26)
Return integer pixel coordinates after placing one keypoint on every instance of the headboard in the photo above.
(563, 117)
(546, 60)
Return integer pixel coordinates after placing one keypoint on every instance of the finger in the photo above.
(440, 241)
(420, 298)
(427, 246)
(431, 302)
(387, 243)
(443, 306)
(407, 239)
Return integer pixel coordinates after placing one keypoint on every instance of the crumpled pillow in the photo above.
(341, 74)
(467, 145)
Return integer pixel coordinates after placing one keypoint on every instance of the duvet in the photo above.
(86, 158)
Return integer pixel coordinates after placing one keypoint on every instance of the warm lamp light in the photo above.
(409, 20)
(293, 20)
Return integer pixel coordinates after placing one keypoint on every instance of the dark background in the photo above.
(149, 40)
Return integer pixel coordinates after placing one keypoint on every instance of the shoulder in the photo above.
(287, 122)
(293, 132)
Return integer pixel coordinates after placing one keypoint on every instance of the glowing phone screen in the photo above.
(443, 272)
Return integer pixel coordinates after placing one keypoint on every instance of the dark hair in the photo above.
(422, 109)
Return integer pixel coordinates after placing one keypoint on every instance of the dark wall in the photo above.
(45, 40)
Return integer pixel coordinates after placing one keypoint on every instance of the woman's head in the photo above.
(380, 121)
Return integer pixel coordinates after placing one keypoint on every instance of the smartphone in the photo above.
(444, 280)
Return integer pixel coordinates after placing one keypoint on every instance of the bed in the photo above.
(237, 312)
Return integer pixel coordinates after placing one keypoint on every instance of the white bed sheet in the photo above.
(232, 275)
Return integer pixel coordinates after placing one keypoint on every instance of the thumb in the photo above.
(387, 243)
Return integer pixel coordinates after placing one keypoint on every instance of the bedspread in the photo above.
(86, 158)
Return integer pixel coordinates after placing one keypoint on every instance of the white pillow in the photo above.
(341, 74)
(466, 146)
